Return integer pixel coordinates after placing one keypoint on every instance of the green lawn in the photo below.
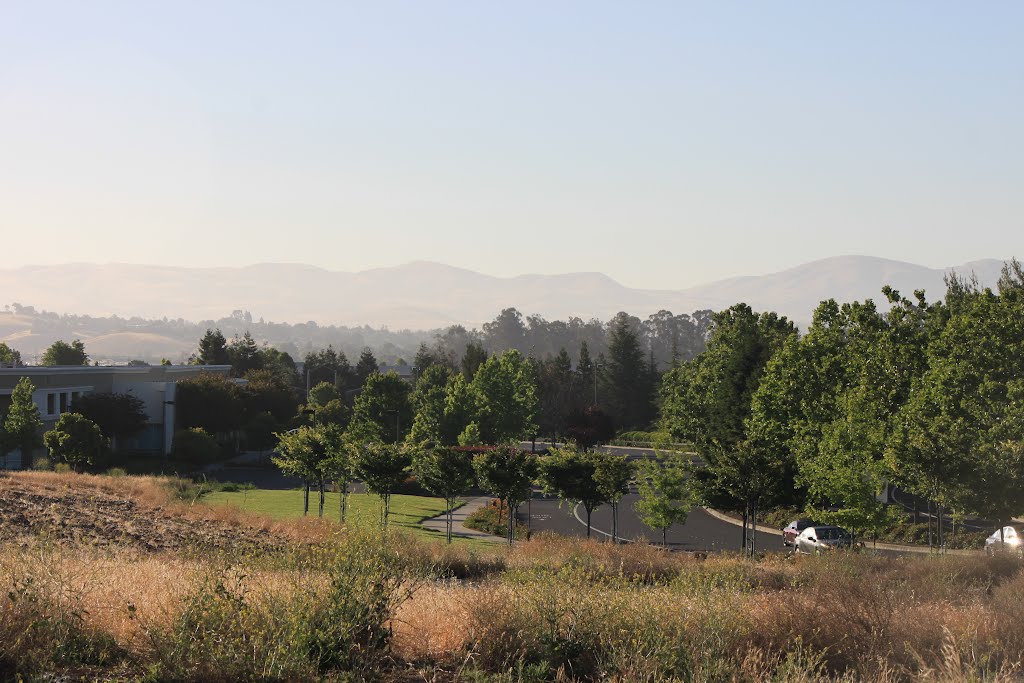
(406, 511)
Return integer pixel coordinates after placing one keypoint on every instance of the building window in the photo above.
(51, 404)
(74, 397)
(63, 402)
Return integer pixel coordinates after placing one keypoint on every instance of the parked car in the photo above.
(815, 540)
(792, 530)
(1011, 541)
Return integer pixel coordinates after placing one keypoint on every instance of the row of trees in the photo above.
(927, 396)
(321, 454)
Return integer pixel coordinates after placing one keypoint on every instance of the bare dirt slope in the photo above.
(118, 512)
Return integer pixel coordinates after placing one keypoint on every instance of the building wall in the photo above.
(56, 389)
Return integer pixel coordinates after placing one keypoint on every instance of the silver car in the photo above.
(1011, 541)
(815, 540)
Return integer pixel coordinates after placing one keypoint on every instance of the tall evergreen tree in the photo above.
(366, 366)
(213, 349)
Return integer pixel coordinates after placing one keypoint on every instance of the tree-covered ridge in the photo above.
(665, 334)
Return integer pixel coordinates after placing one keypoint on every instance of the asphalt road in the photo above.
(700, 532)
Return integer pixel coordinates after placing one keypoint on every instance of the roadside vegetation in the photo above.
(314, 601)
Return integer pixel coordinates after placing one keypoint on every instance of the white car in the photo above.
(815, 540)
(1010, 542)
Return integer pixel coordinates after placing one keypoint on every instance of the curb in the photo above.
(895, 547)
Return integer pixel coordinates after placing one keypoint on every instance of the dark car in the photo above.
(793, 529)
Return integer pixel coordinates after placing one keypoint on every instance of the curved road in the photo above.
(700, 532)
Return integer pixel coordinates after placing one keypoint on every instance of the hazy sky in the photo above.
(665, 144)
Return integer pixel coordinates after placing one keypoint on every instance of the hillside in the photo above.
(424, 295)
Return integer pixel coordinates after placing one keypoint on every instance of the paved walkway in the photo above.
(440, 523)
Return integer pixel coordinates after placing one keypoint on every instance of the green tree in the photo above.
(76, 440)
(708, 402)
(209, 401)
(266, 391)
(949, 444)
(302, 453)
(115, 414)
(322, 394)
(505, 398)
(261, 432)
(339, 462)
(666, 497)
(472, 359)
(382, 468)
(625, 380)
(507, 473)
(570, 474)
(613, 475)
(22, 425)
(327, 365)
(382, 411)
(366, 366)
(244, 355)
(213, 349)
(447, 473)
(428, 403)
(10, 358)
(62, 353)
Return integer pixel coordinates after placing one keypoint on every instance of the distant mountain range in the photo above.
(425, 295)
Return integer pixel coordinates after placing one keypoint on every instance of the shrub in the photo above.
(117, 472)
(493, 519)
(194, 446)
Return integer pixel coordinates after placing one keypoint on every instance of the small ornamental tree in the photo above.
(665, 495)
(613, 474)
(569, 474)
(337, 464)
(507, 473)
(76, 440)
(301, 453)
(382, 468)
(447, 473)
(22, 424)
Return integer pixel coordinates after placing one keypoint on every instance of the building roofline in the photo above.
(112, 369)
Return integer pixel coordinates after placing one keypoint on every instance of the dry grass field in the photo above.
(119, 578)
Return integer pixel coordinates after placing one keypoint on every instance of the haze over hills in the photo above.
(425, 295)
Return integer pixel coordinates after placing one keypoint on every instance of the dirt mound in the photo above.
(65, 514)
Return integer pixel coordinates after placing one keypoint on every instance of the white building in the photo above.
(57, 388)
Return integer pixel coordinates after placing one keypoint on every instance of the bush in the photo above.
(62, 468)
(42, 464)
(493, 519)
(194, 446)
(334, 616)
(117, 472)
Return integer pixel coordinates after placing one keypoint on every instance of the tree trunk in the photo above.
(323, 497)
(511, 523)
(305, 499)
(615, 523)
(664, 537)
(343, 503)
(929, 524)
(743, 542)
(753, 527)
(588, 522)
